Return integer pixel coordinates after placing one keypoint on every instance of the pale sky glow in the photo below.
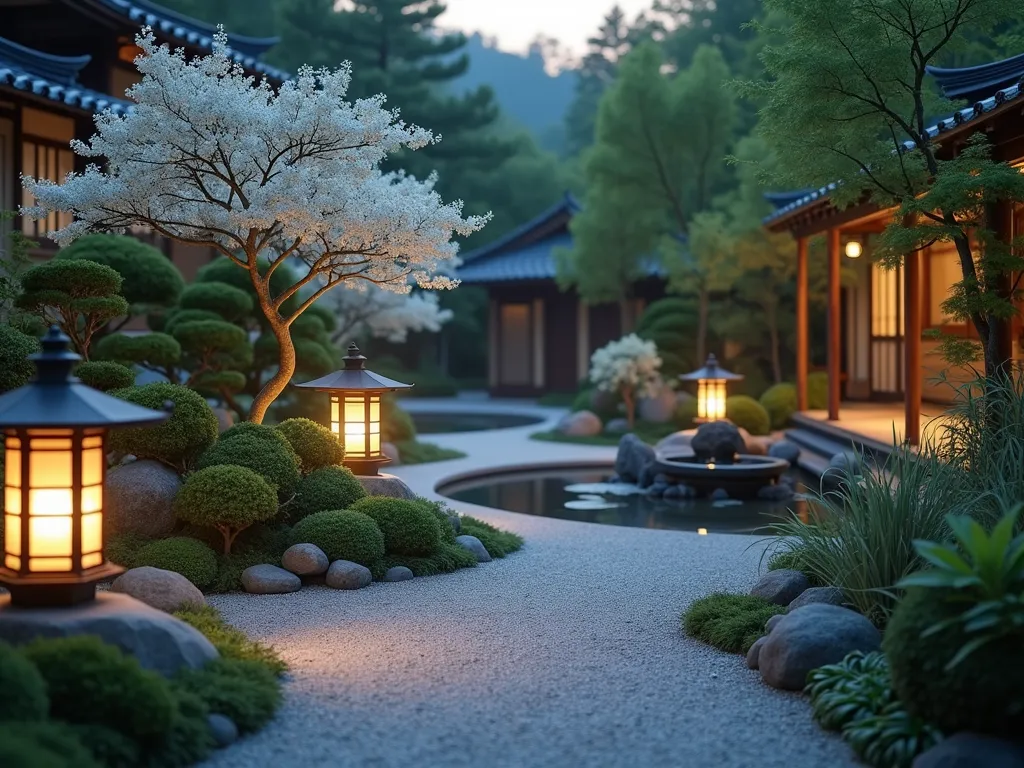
(516, 24)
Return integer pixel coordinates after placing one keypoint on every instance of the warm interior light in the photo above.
(702, 531)
(854, 249)
(356, 418)
(711, 399)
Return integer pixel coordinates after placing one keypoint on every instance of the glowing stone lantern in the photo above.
(54, 431)
(711, 383)
(355, 410)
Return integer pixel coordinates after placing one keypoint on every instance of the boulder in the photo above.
(719, 494)
(618, 426)
(474, 545)
(269, 580)
(777, 492)
(780, 587)
(972, 750)
(398, 573)
(223, 730)
(811, 637)
(139, 499)
(305, 560)
(225, 419)
(754, 654)
(657, 490)
(785, 450)
(840, 466)
(679, 491)
(659, 407)
(826, 595)
(385, 485)
(676, 444)
(164, 590)
(158, 640)
(634, 462)
(344, 574)
(579, 424)
(391, 451)
(772, 622)
(717, 441)
(755, 446)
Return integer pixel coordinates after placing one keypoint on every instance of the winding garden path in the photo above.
(567, 653)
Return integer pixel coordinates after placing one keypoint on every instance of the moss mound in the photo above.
(272, 459)
(343, 535)
(729, 622)
(409, 527)
(43, 745)
(984, 693)
(746, 412)
(448, 558)
(779, 400)
(244, 690)
(497, 542)
(24, 689)
(190, 557)
(232, 643)
(315, 445)
(326, 488)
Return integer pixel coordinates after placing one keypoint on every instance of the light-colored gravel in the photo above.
(568, 653)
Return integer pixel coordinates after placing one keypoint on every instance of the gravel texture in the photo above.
(567, 653)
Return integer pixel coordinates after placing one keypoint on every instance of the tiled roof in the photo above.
(52, 77)
(245, 50)
(974, 83)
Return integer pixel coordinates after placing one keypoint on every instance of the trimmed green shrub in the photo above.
(189, 740)
(817, 391)
(230, 642)
(105, 375)
(315, 444)
(177, 317)
(252, 429)
(497, 542)
(440, 510)
(983, 693)
(227, 497)
(91, 682)
(326, 488)
(16, 370)
(154, 350)
(24, 690)
(122, 548)
(666, 307)
(108, 747)
(244, 690)
(729, 622)
(275, 461)
(191, 428)
(396, 424)
(42, 745)
(342, 534)
(685, 413)
(415, 452)
(190, 557)
(226, 300)
(408, 527)
(448, 558)
(746, 412)
(780, 402)
(582, 400)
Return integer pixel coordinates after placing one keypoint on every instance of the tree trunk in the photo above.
(704, 306)
(286, 357)
(630, 403)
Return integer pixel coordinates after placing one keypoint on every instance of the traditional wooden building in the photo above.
(878, 348)
(540, 337)
(64, 61)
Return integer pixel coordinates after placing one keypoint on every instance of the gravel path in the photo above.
(567, 653)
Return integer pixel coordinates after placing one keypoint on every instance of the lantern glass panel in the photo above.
(335, 415)
(92, 532)
(355, 426)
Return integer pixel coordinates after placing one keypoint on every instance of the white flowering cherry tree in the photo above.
(628, 366)
(209, 156)
(366, 308)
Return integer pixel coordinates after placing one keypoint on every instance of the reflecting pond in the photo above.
(435, 423)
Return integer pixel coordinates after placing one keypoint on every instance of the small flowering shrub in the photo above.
(628, 367)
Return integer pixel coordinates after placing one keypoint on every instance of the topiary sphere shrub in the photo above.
(24, 690)
(191, 428)
(984, 693)
(685, 413)
(315, 444)
(326, 488)
(746, 412)
(16, 370)
(272, 459)
(780, 402)
(190, 557)
(91, 682)
(817, 391)
(342, 535)
(227, 497)
(409, 527)
(226, 300)
(105, 376)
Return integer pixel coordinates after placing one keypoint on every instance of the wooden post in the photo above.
(802, 325)
(835, 339)
(912, 329)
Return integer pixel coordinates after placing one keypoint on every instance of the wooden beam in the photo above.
(802, 325)
(835, 339)
(912, 347)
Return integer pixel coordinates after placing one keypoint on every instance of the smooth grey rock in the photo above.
(777, 492)
(164, 590)
(674, 492)
(139, 498)
(634, 461)
(785, 450)
(344, 574)
(719, 494)
(617, 427)
(456, 520)
(718, 441)
(972, 750)
(385, 485)
(657, 490)
(398, 573)
(780, 587)
(579, 424)
(841, 468)
(268, 579)
(811, 637)
(753, 444)
(772, 622)
(474, 545)
(754, 654)
(676, 444)
(827, 595)
(659, 408)
(305, 560)
(225, 419)
(158, 640)
(223, 728)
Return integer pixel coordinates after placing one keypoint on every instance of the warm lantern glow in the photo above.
(355, 417)
(854, 249)
(711, 399)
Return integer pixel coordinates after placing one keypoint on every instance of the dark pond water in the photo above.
(543, 493)
(434, 423)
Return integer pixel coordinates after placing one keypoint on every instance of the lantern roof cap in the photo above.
(56, 399)
(711, 371)
(354, 377)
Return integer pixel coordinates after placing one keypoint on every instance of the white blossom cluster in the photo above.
(366, 308)
(210, 156)
(629, 363)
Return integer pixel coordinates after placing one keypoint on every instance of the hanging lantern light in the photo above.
(355, 410)
(854, 248)
(711, 389)
(54, 432)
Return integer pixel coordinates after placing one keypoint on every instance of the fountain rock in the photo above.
(779, 492)
(679, 491)
(784, 449)
(634, 463)
(718, 441)
(676, 444)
